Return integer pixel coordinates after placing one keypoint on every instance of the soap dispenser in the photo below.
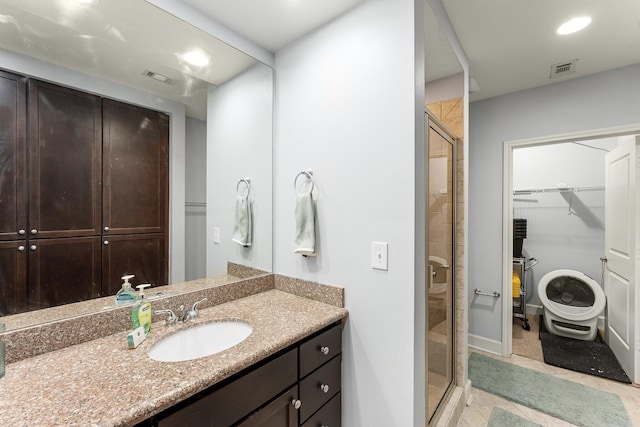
(126, 295)
(141, 313)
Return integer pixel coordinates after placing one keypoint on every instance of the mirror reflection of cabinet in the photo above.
(58, 189)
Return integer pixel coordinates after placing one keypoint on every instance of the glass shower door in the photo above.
(440, 274)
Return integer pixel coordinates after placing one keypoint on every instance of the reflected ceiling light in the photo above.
(196, 58)
(573, 25)
(87, 2)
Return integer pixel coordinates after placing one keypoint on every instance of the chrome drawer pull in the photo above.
(324, 388)
(21, 248)
(296, 403)
(324, 350)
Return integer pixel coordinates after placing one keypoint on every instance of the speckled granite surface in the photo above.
(107, 320)
(103, 383)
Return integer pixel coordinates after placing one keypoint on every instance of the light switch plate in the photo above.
(216, 234)
(379, 255)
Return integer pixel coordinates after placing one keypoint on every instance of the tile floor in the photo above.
(479, 410)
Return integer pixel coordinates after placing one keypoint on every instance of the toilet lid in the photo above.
(571, 294)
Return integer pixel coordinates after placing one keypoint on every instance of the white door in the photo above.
(621, 226)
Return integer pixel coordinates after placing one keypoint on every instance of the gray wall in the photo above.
(195, 152)
(592, 102)
(346, 103)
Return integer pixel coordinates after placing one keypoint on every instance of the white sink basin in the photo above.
(200, 341)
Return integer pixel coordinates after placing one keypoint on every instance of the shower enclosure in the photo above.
(441, 198)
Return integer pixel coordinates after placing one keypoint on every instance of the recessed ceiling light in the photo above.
(196, 58)
(573, 25)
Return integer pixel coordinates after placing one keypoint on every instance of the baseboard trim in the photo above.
(485, 344)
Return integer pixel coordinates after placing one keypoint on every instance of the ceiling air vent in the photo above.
(563, 68)
(159, 77)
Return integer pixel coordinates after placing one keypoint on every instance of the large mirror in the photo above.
(219, 102)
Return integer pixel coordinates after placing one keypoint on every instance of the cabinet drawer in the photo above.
(320, 349)
(237, 399)
(330, 415)
(317, 388)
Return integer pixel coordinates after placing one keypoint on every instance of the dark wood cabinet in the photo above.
(136, 169)
(273, 393)
(13, 104)
(83, 195)
(144, 255)
(279, 413)
(13, 277)
(62, 271)
(65, 162)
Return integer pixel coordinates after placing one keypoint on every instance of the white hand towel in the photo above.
(242, 227)
(305, 243)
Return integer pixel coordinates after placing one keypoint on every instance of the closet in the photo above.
(83, 195)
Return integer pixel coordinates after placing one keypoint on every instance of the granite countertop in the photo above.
(103, 383)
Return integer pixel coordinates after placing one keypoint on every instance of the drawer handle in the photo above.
(296, 403)
(33, 247)
(324, 388)
(324, 350)
(21, 248)
(22, 232)
(34, 231)
(106, 229)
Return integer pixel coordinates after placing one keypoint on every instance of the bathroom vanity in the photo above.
(287, 372)
(284, 390)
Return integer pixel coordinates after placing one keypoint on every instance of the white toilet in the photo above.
(439, 268)
(572, 302)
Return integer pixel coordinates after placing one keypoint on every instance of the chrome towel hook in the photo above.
(309, 176)
(245, 192)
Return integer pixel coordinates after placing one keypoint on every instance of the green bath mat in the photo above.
(501, 418)
(569, 401)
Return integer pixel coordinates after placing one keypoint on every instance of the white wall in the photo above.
(345, 108)
(195, 196)
(239, 145)
(556, 238)
(44, 71)
(598, 101)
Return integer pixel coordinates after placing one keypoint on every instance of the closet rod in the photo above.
(556, 190)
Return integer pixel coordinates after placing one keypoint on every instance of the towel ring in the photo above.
(309, 175)
(247, 182)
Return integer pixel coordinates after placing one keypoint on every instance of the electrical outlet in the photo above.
(216, 234)
(379, 255)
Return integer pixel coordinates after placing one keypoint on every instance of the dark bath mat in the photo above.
(589, 357)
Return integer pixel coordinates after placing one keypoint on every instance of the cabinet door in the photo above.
(13, 283)
(65, 152)
(63, 271)
(12, 156)
(279, 413)
(136, 167)
(144, 255)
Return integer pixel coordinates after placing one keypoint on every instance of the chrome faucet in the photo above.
(171, 319)
(193, 313)
(186, 315)
(182, 316)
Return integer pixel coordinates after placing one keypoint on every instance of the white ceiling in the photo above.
(511, 44)
(272, 24)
